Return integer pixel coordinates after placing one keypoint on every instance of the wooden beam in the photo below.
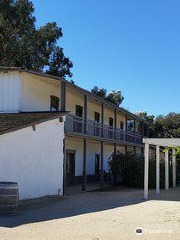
(115, 122)
(85, 112)
(115, 160)
(63, 96)
(84, 178)
(102, 164)
(102, 118)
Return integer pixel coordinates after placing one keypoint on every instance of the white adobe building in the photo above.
(94, 128)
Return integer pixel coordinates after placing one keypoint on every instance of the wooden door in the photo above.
(70, 168)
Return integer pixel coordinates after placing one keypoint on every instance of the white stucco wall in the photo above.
(34, 159)
(36, 92)
(10, 90)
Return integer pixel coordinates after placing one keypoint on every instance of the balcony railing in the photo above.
(74, 124)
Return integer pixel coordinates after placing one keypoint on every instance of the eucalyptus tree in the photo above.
(24, 45)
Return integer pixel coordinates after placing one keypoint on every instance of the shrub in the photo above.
(129, 170)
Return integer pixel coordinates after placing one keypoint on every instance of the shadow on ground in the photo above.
(52, 208)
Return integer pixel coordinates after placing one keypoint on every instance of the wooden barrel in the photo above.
(9, 197)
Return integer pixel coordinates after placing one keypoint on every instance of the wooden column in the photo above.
(166, 170)
(146, 171)
(84, 177)
(174, 167)
(115, 123)
(102, 119)
(126, 127)
(85, 112)
(63, 96)
(102, 164)
(134, 130)
(115, 149)
(157, 171)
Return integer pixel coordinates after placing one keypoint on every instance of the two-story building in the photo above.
(93, 129)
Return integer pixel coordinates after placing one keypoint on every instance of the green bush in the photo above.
(129, 170)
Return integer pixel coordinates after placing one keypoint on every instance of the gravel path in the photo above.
(96, 215)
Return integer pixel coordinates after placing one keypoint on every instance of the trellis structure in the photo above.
(160, 142)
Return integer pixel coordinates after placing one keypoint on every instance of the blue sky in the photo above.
(131, 45)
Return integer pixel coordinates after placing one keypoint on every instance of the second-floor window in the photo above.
(54, 105)
(111, 122)
(79, 111)
(121, 125)
(97, 117)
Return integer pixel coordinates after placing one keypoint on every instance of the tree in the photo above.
(100, 92)
(150, 119)
(163, 126)
(23, 45)
(113, 97)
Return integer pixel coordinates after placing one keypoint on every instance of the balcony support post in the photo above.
(115, 124)
(126, 126)
(102, 163)
(134, 130)
(85, 112)
(63, 96)
(115, 160)
(102, 119)
(84, 178)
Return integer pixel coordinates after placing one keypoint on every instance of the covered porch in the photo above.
(160, 142)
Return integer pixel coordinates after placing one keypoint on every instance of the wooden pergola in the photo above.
(160, 142)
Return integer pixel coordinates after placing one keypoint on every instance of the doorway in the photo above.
(97, 121)
(111, 122)
(78, 127)
(70, 168)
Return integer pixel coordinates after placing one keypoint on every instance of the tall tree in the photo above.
(23, 45)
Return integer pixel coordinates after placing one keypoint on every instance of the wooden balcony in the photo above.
(78, 125)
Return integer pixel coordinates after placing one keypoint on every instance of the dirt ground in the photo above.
(96, 215)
